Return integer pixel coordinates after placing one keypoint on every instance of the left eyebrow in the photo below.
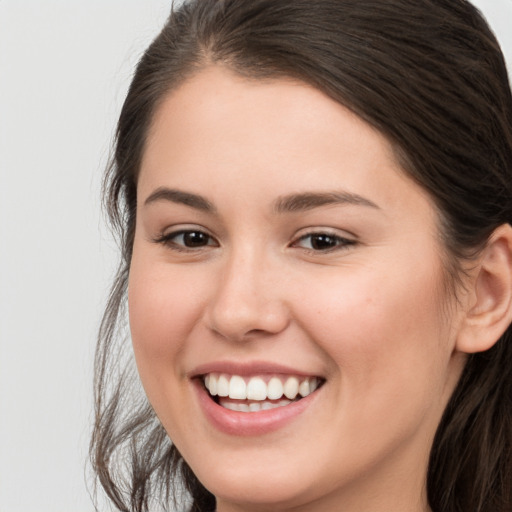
(310, 200)
(180, 197)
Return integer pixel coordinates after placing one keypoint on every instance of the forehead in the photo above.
(219, 132)
(240, 107)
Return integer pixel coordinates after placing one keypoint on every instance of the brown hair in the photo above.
(430, 76)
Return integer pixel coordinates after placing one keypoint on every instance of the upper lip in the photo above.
(248, 368)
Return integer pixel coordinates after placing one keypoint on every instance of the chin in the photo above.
(278, 485)
(268, 492)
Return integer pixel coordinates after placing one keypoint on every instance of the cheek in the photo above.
(383, 330)
(164, 306)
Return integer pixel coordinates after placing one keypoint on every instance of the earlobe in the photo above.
(490, 311)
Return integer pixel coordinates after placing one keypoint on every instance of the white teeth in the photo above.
(274, 388)
(304, 389)
(230, 405)
(236, 387)
(254, 406)
(291, 387)
(212, 384)
(222, 386)
(256, 389)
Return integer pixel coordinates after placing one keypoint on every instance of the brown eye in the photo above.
(323, 242)
(195, 239)
(187, 239)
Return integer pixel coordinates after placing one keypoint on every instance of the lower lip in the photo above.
(250, 423)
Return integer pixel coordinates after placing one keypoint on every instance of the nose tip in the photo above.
(241, 320)
(247, 305)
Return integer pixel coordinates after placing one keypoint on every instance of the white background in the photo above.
(65, 66)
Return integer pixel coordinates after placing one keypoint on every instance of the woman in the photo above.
(314, 201)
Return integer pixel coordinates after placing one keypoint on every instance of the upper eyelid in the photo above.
(176, 230)
(166, 235)
(319, 230)
(344, 238)
(338, 237)
(185, 228)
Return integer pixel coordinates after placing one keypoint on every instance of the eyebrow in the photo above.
(310, 200)
(286, 204)
(178, 196)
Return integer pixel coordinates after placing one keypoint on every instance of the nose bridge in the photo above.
(248, 300)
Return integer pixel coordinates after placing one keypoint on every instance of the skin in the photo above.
(372, 316)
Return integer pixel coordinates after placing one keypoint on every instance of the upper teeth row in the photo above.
(256, 388)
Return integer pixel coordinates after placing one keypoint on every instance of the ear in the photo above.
(489, 310)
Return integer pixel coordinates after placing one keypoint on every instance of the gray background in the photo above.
(64, 69)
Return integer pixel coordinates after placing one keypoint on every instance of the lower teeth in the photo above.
(253, 406)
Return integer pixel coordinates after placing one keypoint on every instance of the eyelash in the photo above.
(338, 242)
(169, 240)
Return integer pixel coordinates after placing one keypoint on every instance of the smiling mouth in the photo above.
(258, 393)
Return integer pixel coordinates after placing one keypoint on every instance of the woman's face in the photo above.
(279, 248)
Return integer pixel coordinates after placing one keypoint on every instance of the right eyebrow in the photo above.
(178, 196)
(311, 200)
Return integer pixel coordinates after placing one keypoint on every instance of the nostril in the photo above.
(247, 322)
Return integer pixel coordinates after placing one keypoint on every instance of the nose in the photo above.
(248, 301)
